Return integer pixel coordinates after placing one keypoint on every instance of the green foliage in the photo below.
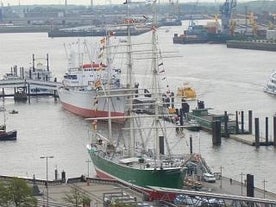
(16, 193)
(76, 198)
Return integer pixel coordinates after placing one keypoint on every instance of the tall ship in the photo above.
(86, 85)
(142, 156)
(270, 86)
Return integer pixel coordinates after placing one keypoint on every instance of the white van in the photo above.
(210, 178)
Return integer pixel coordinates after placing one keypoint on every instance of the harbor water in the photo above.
(225, 79)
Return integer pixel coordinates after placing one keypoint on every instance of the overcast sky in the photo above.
(86, 2)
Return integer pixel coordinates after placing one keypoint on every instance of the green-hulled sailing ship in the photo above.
(140, 161)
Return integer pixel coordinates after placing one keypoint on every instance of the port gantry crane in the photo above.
(226, 11)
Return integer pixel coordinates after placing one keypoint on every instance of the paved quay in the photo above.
(96, 191)
(225, 186)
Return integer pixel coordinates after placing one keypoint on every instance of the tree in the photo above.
(3, 195)
(77, 198)
(16, 193)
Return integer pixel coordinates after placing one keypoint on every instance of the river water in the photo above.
(225, 79)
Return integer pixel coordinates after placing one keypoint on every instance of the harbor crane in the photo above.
(226, 15)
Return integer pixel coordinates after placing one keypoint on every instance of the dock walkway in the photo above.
(223, 188)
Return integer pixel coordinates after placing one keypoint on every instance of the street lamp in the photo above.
(47, 191)
(220, 185)
(88, 161)
(264, 187)
(242, 174)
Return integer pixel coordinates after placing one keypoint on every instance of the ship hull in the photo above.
(8, 136)
(141, 179)
(88, 105)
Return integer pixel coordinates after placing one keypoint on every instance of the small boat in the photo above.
(20, 95)
(270, 86)
(7, 135)
(4, 134)
(13, 112)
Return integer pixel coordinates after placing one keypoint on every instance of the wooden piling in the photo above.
(216, 132)
(274, 130)
(237, 123)
(242, 122)
(266, 131)
(226, 133)
(250, 121)
(257, 133)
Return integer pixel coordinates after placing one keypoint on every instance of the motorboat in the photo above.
(270, 86)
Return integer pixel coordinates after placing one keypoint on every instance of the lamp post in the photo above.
(242, 174)
(47, 191)
(264, 187)
(88, 161)
(220, 185)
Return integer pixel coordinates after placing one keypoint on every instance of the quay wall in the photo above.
(252, 45)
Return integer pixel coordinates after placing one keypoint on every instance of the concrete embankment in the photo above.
(252, 45)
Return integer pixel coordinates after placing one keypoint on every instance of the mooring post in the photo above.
(274, 130)
(237, 123)
(242, 122)
(250, 121)
(226, 133)
(257, 133)
(266, 131)
(216, 132)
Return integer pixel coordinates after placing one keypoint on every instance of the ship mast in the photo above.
(130, 82)
(108, 59)
(155, 84)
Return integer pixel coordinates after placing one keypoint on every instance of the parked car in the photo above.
(207, 177)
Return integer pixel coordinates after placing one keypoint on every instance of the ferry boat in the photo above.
(271, 84)
(39, 71)
(87, 88)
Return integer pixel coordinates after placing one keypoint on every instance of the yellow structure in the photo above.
(186, 92)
